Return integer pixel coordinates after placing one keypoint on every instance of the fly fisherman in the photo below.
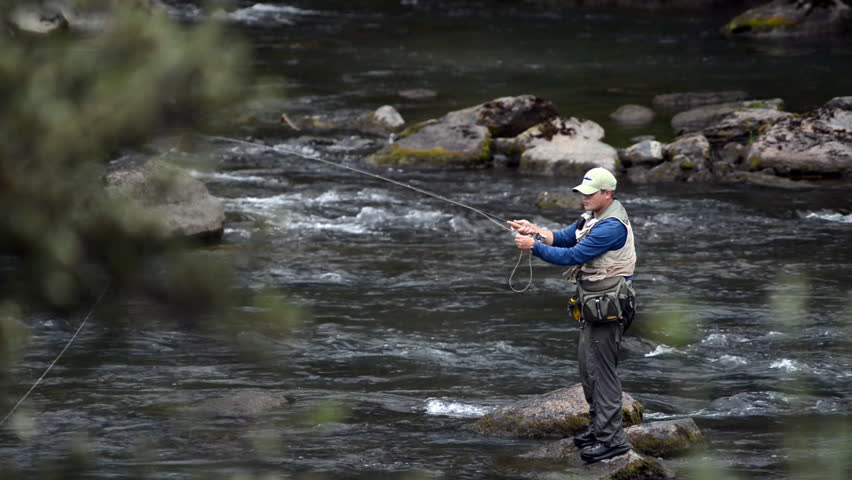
(599, 249)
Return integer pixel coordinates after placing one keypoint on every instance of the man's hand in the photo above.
(523, 227)
(524, 242)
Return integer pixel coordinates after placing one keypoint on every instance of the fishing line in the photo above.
(499, 221)
(71, 340)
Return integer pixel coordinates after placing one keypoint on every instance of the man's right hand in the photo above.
(523, 227)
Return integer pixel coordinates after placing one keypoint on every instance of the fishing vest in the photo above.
(614, 263)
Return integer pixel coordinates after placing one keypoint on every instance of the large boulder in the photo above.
(742, 125)
(697, 119)
(463, 138)
(681, 101)
(506, 116)
(560, 413)
(562, 146)
(792, 18)
(632, 465)
(816, 144)
(180, 203)
(646, 152)
(669, 438)
(437, 144)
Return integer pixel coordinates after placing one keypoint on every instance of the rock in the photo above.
(693, 148)
(560, 413)
(633, 114)
(383, 121)
(632, 465)
(697, 119)
(246, 403)
(180, 203)
(559, 200)
(763, 179)
(842, 103)
(686, 159)
(785, 18)
(568, 157)
(437, 144)
(506, 116)
(670, 438)
(417, 94)
(647, 152)
(687, 100)
(563, 146)
(819, 144)
(38, 19)
(463, 138)
(742, 125)
(732, 153)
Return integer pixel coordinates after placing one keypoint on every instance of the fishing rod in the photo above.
(499, 221)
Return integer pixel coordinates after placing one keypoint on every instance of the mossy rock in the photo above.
(670, 438)
(560, 413)
(437, 144)
(633, 465)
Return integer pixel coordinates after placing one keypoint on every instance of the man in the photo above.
(599, 247)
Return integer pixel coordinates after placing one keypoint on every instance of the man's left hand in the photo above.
(524, 242)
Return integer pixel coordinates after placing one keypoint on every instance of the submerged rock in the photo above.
(785, 18)
(179, 203)
(816, 144)
(559, 200)
(417, 94)
(560, 413)
(633, 114)
(246, 403)
(688, 100)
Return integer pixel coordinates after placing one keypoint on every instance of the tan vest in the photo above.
(614, 263)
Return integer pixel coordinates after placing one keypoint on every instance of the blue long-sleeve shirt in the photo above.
(609, 234)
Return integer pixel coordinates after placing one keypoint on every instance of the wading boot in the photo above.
(585, 439)
(600, 451)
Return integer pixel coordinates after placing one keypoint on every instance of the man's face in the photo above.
(595, 201)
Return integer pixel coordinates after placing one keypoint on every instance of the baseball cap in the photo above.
(596, 179)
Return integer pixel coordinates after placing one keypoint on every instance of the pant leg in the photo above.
(583, 352)
(601, 366)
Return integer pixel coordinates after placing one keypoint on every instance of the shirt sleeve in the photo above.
(566, 237)
(608, 235)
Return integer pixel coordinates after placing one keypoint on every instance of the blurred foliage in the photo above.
(71, 103)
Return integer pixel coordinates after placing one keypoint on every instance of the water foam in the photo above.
(264, 13)
(661, 350)
(450, 408)
(828, 215)
(787, 365)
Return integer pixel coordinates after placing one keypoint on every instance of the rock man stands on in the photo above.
(599, 247)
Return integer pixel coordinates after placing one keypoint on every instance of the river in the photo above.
(411, 331)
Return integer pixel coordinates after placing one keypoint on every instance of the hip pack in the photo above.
(609, 300)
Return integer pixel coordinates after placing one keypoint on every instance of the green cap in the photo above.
(596, 179)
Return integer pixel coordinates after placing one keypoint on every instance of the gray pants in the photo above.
(598, 357)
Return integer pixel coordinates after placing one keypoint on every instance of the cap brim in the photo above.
(585, 189)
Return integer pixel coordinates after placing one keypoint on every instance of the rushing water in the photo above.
(413, 333)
